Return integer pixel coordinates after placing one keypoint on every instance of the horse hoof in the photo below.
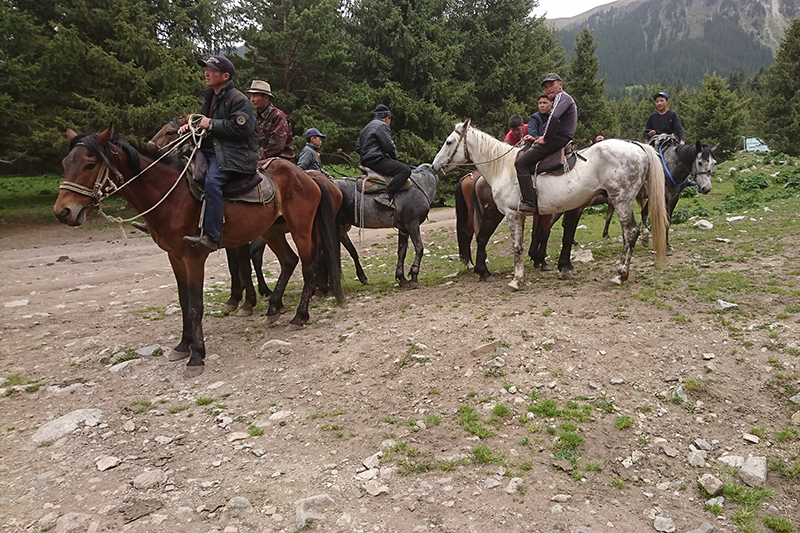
(544, 267)
(568, 274)
(244, 312)
(193, 371)
(413, 285)
(615, 281)
(669, 250)
(175, 355)
(294, 327)
(512, 287)
(271, 319)
(230, 307)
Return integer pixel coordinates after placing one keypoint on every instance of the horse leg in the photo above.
(464, 226)
(308, 261)
(246, 280)
(236, 283)
(344, 238)
(257, 257)
(402, 248)
(609, 216)
(516, 226)
(630, 232)
(195, 271)
(419, 250)
(539, 237)
(489, 221)
(645, 231)
(276, 240)
(673, 201)
(570, 224)
(181, 351)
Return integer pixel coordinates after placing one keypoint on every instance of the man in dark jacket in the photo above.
(664, 120)
(558, 132)
(538, 120)
(229, 144)
(377, 151)
(309, 157)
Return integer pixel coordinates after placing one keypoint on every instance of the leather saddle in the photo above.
(258, 188)
(372, 182)
(558, 162)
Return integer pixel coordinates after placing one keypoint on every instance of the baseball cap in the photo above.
(220, 63)
(551, 77)
(665, 95)
(313, 132)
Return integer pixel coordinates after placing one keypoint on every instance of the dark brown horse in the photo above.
(96, 167)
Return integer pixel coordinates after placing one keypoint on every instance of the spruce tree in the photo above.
(782, 104)
(713, 114)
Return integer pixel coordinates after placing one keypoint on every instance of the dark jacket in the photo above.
(560, 127)
(309, 159)
(669, 122)
(233, 129)
(536, 124)
(375, 142)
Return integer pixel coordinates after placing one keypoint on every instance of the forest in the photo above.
(86, 64)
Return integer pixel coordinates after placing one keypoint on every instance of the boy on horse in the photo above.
(229, 144)
(558, 132)
(309, 156)
(274, 129)
(378, 152)
(538, 120)
(517, 130)
(664, 120)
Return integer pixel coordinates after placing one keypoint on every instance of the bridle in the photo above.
(461, 138)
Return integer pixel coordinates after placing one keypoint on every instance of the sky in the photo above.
(554, 9)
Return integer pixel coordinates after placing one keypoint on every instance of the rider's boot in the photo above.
(385, 199)
(529, 202)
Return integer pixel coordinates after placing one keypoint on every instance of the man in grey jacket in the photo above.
(309, 158)
(378, 152)
(229, 144)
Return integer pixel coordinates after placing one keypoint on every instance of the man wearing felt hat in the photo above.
(309, 156)
(229, 144)
(274, 129)
(558, 132)
(664, 120)
(378, 152)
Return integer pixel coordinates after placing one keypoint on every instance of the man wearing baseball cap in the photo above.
(664, 120)
(558, 132)
(229, 144)
(309, 156)
(274, 129)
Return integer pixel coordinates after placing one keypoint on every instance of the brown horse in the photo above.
(97, 167)
(475, 207)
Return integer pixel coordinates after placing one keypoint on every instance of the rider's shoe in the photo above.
(140, 226)
(202, 240)
(527, 207)
(385, 199)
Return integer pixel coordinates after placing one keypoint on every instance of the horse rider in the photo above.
(229, 144)
(309, 156)
(558, 132)
(378, 152)
(517, 130)
(274, 129)
(538, 120)
(664, 120)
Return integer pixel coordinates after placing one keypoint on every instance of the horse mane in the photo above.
(133, 153)
(498, 154)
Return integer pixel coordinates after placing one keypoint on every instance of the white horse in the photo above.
(615, 167)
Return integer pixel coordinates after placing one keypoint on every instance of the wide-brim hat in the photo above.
(258, 86)
(220, 63)
(551, 77)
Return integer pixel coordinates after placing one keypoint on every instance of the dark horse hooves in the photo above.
(244, 312)
(175, 355)
(231, 305)
(193, 371)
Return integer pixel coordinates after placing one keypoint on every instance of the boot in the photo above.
(385, 199)
(203, 241)
(528, 203)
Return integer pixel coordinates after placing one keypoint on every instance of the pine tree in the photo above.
(713, 114)
(594, 115)
(782, 105)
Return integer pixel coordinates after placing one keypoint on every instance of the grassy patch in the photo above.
(204, 400)
(623, 422)
(471, 422)
(778, 523)
(483, 455)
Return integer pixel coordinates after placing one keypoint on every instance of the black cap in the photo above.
(220, 63)
(551, 77)
(381, 111)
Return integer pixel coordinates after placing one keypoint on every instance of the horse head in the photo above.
(169, 132)
(703, 166)
(449, 155)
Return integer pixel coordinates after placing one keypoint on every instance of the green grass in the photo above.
(623, 422)
(204, 400)
(471, 422)
(483, 455)
(778, 523)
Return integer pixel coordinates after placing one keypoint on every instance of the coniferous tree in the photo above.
(713, 114)
(782, 104)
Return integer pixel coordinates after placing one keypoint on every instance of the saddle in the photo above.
(558, 162)
(372, 182)
(257, 189)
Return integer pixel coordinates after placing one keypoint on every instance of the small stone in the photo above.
(754, 471)
(703, 224)
(719, 500)
(697, 458)
(561, 498)
(795, 399)
(751, 438)
(108, 462)
(491, 483)
(149, 350)
(557, 509)
(708, 356)
(736, 461)
(163, 440)
(566, 466)
(374, 488)
(373, 460)
(129, 426)
(703, 445)
(238, 503)
(280, 415)
(705, 527)
(149, 480)
(64, 425)
(616, 381)
(670, 451)
(711, 484)
(238, 435)
(594, 385)
(485, 349)
(258, 452)
(664, 524)
(796, 418)
(722, 305)
(680, 394)
(670, 379)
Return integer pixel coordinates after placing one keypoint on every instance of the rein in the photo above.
(669, 174)
(462, 137)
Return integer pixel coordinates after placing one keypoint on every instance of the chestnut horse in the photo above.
(97, 167)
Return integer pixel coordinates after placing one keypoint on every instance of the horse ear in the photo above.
(715, 148)
(71, 134)
(466, 124)
(106, 135)
(699, 147)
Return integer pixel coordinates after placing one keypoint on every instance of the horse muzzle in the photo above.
(71, 216)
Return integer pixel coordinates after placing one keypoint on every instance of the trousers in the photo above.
(215, 180)
(399, 172)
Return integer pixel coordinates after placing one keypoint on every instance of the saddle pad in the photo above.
(258, 190)
(375, 183)
(557, 163)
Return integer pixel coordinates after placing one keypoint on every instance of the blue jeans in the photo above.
(215, 180)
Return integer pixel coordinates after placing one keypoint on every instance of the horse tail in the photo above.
(331, 254)
(464, 231)
(659, 220)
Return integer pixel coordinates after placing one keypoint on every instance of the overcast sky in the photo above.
(554, 9)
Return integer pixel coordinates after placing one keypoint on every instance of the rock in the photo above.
(238, 435)
(129, 426)
(280, 415)
(238, 503)
(669, 451)
(754, 471)
(258, 452)
(566, 466)
(485, 349)
(663, 524)
(149, 350)
(796, 418)
(107, 462)
(697, 458)
(491, 483)
(581, 256)
(497, 362)
(705, 527)
(594, 385)
(736, 461)
(561, 498)
(513, 485)
(680, 394)
(172, 309)
(751, 438)
(119, 367)
(719, 500)
(374, 488)
(149, 480)
(711, 484)
(373, 460)
(163, 440)
(63, 426)
(616, 381)
(795, 399)
(708, 356)
(274, 344)
(703, 224)
(72, 522)
(366, 475)
(703, 445)
(722, 305)
(557, 509)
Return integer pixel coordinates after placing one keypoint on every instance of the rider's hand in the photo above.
(528, 139)
(651, 133)
(539, 140)
(205, 123)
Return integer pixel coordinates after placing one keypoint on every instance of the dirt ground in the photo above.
(403, 366)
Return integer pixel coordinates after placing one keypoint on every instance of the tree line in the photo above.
(133, 63)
